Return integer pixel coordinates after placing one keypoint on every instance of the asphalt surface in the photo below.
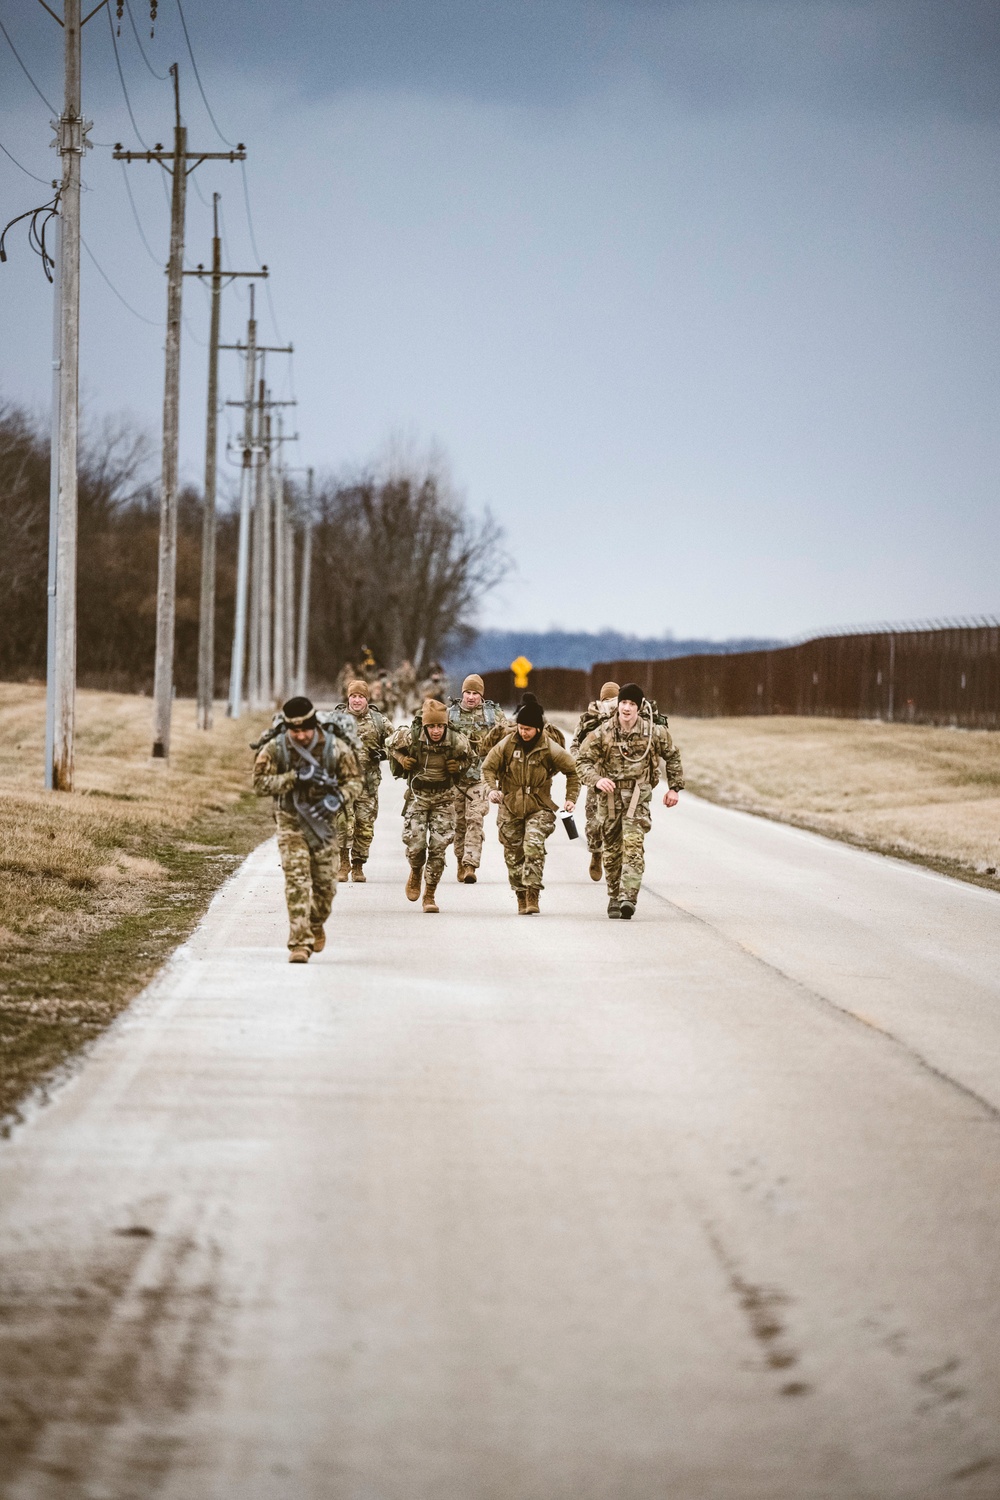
(480, 1207)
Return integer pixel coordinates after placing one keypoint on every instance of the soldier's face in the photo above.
(527, 731)
(472, 700)
(435, 732)
(628, 712)
(357, 703)
(301, 736)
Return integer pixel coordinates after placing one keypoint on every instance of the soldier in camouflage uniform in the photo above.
(519, 771)
(621, 760)
(307, 771)
(482, 723)
(434, 758)
(435, 685)
(592, 717)
(373, 731)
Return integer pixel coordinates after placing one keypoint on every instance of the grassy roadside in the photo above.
(920, 793)
(98, 886)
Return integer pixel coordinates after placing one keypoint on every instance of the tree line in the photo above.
(399, 563)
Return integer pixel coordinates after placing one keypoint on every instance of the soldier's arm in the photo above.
(671, 759)
(349, 776)
(588, 760)
(399, 745)
(462, 751)
(268, 781)
(491, 767)
(565, 763)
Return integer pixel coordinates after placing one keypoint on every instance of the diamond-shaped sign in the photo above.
(520, 667)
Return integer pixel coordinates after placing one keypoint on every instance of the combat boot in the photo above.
(470, 874)
(531, 903)
(626, 908)
(319, 940)
(344, 873)
(429, 903)
(298, 956)
(358, 872)
(614, 901)
(522, 902)
(596, 868)
(413, 882)
(463, 870)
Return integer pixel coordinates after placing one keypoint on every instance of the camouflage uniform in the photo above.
(359, 829)
(523, 770)
(631, 759)
(429, 810)
(593, 716)
(472, 793)
(310, 866)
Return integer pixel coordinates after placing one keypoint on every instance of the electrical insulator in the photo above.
(120, 10)
(152, 16)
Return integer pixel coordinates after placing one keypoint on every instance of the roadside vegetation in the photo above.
(99, 885)
(921, 793)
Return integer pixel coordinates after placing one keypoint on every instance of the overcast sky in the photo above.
(701, 298)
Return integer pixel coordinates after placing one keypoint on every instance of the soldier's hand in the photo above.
(453, 767)
(605, 784)
(568, 806)
(671, 799)
(306, 773)
(407, 761)
(496, 795)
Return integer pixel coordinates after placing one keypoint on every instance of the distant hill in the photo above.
(493, 650)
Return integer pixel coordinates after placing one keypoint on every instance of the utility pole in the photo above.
(279, 682)
(301, 659)
(166, 585)
(206, 609)
(243, 546)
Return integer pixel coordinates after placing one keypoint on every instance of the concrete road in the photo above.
(479, 1207)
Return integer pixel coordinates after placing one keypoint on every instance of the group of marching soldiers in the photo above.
(323, 771)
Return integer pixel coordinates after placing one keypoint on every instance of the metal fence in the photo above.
(919, 676)
(558, 688)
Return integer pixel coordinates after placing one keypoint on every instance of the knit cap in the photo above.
(531, 714)
(609, 690)
(632, 693)
(433, 712)
(357, 687)
(473, 684)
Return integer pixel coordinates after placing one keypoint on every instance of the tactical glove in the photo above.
(453, 767)
(407, 761)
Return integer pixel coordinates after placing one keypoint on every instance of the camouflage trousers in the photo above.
(360, 826)
(472, 803)
(310, 880)
(624, 840)
(523, 842)
(428, 829)
(596, 807)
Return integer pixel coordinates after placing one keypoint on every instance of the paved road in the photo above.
(486, 1208)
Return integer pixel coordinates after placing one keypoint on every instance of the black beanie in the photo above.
(528, 698)
(300, 713)
(633, 692)
(531, 714)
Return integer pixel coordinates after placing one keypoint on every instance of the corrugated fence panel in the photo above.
(947, 676)
(559, 688)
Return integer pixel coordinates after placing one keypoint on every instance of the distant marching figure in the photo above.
(592, 718)
(433, 757)
(314, 778)
(519, 771)
(483, 723)
(374, 728)
(622, 760)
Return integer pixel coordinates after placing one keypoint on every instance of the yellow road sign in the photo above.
(520, 667)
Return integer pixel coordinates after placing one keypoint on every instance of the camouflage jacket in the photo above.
(374, 730)
(430, 777)
(274, 770)
(482, 727)
(628, 757)
(523, 771)
(592, 718)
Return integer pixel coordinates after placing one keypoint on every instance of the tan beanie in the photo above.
(433, 712)
(358, 688)
(609, 690)
(473, 684)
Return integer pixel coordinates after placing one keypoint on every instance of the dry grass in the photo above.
(931, 795)
(98, 885)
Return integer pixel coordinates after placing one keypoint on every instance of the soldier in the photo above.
(373, 731)
(622, 760)
(436, 684)
(483, 723)
(552, 730)
(406, 686)
(519, 772)
(593, 715)
(314, 778)
(433, 757)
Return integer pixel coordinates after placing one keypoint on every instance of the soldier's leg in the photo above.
(297, 865)
(594, 816)
(363, 830)
(634, 832)
(612, 851)
(440, 824)
(511, 834)
(477, 805)
(537, 829)
(415, 833)
(323, 870)
(461, 809)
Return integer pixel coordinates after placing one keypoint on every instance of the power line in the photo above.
(121, 79)
(101, 272)
(24, 169)
(138, 222)
(253, 246)
(161, 76)
(197, 77)
(24, 70)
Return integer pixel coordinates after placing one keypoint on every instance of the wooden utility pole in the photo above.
(279, 682)
(206, 610)
(243, 546)
(166, 586)
(302, 654)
